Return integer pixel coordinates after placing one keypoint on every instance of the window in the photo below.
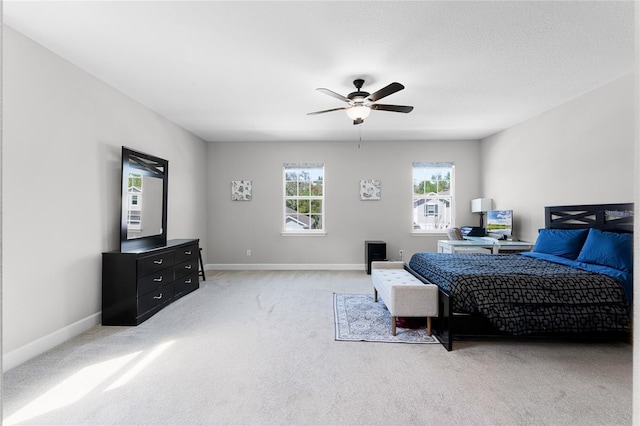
(431, 209)
(303, 198)
(432, 196)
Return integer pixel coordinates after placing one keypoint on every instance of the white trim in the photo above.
(308, 166)
(303, 233)
(50, 341)
(284, 267)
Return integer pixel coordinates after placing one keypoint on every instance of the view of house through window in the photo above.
(304, 197)
(134, 191)
(432, 196)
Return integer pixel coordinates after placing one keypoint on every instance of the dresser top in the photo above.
(170, 244)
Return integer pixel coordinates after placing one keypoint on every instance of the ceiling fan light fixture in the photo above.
(361, 103)
(358, 112)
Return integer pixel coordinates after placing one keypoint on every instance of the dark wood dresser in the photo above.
(137, 284)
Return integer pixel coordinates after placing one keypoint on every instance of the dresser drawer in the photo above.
(186, 268)
(155, 298)
(154, 281)
(148, 265)
(186, 253)
(186, 284)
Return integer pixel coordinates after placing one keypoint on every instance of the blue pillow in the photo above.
(610, 249)
(561, 242)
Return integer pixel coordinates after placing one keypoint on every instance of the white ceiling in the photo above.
(247, 71)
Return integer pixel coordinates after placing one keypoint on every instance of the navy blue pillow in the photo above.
(561, 242)
(610, 249)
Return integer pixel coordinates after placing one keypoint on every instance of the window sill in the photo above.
(303, 233)
(428, 234)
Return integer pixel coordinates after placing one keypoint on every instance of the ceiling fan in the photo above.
(361, 103)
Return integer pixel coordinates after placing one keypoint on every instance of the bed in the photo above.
(576, 282)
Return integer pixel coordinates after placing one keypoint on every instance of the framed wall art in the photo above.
(241, 190)
(370, 189)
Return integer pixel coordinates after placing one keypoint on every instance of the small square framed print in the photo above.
(241, 190)
(370, 189)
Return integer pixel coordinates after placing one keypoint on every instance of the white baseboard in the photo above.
(50, 341)
(284, 267)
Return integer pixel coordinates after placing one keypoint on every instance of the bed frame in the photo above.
(607, 217)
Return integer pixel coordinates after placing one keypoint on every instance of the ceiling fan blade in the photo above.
(385, 91)
(333, 94)
(327, 110)
(394, 108)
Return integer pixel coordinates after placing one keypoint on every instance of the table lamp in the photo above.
(481, 205)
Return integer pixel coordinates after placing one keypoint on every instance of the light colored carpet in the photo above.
(358, 318)
(255, 347)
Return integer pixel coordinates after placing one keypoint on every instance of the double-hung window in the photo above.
(304, 191)
(433, 200)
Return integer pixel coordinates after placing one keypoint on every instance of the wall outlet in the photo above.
(248, 252)
(401, 252)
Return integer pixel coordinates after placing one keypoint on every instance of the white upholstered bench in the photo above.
(402, 293)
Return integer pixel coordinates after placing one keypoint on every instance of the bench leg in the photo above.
(375, 295)
(393, 326)
(429, 326)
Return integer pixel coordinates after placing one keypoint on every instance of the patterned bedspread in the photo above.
(523, 295)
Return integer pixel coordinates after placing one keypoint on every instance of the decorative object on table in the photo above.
(241, 190)
(370, 189)
(454, 233)
(358, 318)
(481, 205)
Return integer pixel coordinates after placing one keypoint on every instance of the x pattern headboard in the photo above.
(607, 217)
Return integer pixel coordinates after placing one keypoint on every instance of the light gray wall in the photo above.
(581, 152)
(63, 132)
(235, 226)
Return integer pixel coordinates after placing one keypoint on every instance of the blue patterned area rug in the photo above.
(359, 318)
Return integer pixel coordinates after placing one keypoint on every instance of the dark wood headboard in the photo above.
(607, 217)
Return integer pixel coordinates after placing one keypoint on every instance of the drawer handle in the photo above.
(158, 297)
(158, 262)
(187, 252)
(158, 279)
(188, 281)
(187, 266)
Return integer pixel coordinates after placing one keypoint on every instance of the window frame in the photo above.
(423, 209)
(310, 198)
